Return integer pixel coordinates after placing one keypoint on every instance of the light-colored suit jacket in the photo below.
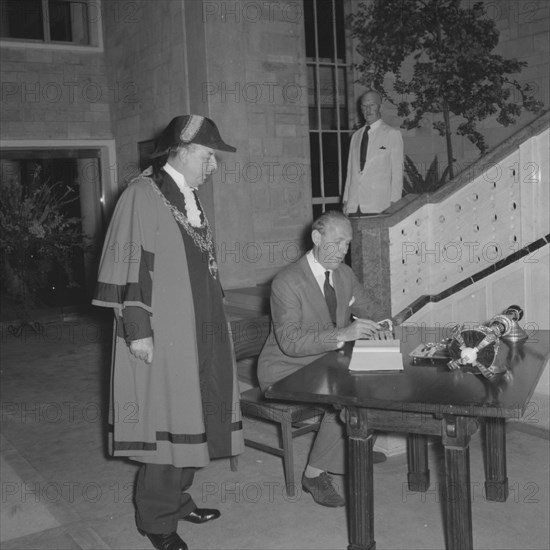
(301, 329)
(381, 181)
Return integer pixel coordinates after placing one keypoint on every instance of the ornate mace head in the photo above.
(474, 350)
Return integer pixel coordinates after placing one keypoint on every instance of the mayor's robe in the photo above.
(179, 410)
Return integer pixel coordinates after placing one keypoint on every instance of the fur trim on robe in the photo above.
(156, 410)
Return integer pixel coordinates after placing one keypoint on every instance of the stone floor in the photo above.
(60, 490)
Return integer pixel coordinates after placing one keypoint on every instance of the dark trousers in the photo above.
(160, 497)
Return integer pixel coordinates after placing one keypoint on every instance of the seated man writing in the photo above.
(312, 301)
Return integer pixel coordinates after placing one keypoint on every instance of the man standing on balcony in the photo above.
(174, 395)
(375, 163)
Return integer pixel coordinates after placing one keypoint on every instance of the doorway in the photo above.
(69, 179)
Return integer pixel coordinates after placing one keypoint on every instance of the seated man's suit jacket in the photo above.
(301, 328)
(380, 182)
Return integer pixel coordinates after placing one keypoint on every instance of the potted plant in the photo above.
(417, 183)
(36, 237)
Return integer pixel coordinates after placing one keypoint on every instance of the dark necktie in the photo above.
(330, 297)
(364, 147)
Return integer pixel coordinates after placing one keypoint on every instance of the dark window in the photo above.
(21, 19)
(64, 21)
(60, 21)
(328, 97)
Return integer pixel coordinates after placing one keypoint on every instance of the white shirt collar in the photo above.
(318, 270)
(375, 124)
(178, 177)
(192, 208)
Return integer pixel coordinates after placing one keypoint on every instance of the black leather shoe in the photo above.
(322, 490)
(202, 515)
(166, 542)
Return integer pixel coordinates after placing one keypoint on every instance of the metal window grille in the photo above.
(329, 94)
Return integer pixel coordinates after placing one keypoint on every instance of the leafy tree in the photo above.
(453, 68)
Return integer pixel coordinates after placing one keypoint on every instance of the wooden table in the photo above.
(424, 400)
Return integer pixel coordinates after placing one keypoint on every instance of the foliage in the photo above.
(35, 236)
(453, 68)
(415, 182)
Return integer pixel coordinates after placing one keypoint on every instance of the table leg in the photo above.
(418, 475)
(458, 504)
(360, 481)
(496, 480)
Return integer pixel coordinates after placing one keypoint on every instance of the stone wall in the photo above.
(145, 56)
(56, 93)
(256, 90)
(243, 65)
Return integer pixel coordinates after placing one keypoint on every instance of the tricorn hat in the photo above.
(187, 129)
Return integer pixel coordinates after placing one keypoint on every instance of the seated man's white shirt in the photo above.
(318, 271)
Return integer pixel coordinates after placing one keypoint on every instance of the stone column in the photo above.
(89, 179)
(370, 252)
(370, 262)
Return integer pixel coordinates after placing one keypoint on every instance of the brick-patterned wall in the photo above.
(145, 52)
(256, 91)
(54, 94)
(242, 64)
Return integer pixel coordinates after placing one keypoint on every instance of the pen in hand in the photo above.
(384, 331)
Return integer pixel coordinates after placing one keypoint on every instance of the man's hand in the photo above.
(384, 335)
(360, 328)
(143, 349)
